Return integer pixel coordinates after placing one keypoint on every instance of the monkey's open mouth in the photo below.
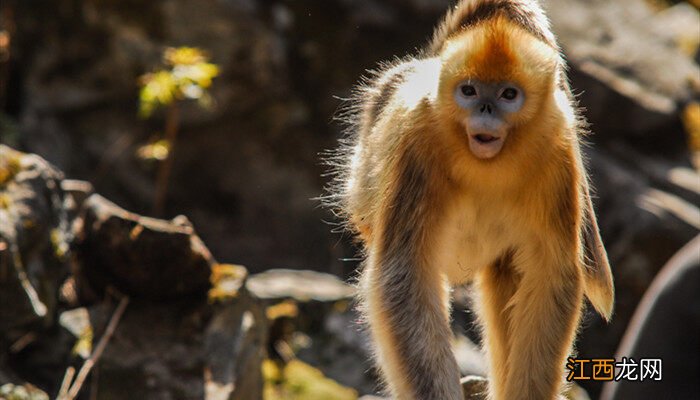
(484, 138)
(485, 145)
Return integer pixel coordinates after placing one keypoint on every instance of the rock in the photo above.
(320, 326)
(314, 296)
(34, 237)
(140, 256)
(235, 346)
(678, 25)
(470, 359)
(302, 286)
(41, 356)
(665, 327)
(10, 391)
(184, 349)
(297, 379)
(474, 387)
(162, 350)
(633, 81)
(340, 349)
(195, 349)
(191, 346)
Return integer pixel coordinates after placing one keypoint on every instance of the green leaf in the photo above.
(189, 77)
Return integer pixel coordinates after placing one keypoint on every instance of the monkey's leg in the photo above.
(544, 314)
(497, 285)
(406, 305)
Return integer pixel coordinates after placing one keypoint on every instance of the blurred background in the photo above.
(153, 149)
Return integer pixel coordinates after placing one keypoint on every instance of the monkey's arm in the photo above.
(597, 274)
(406, 298)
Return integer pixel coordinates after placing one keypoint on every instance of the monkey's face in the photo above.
(495, 77)
(489, 107)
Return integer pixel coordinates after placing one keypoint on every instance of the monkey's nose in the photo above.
(486, 108)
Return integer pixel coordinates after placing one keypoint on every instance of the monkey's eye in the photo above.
(468, 90)
(509, 93)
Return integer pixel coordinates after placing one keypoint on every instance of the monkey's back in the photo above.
(396, 94)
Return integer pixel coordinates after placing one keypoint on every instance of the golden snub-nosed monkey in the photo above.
(463, 164)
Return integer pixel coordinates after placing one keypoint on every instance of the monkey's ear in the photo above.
(598, 280)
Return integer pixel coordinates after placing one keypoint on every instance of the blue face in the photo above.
(488, 104)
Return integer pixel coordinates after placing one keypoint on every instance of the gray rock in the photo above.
(325, 331)
(184, 349)
(470, 359)
(632, 80)
(665, 325)
(301, 285)
(235, 346)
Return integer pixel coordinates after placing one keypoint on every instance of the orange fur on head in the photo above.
(499, 51)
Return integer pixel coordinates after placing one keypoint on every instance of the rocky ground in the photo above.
(249, 167)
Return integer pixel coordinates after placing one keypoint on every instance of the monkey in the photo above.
(463, 164)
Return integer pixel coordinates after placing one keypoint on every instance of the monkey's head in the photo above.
(495, 77)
